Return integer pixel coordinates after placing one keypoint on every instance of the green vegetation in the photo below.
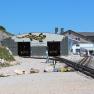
(4, 54)
(2, 28)
(31, 36)
(2, 75)
(66, 69)
(5, 65)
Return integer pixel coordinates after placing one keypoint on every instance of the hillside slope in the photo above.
(4, 34)
(5, 54)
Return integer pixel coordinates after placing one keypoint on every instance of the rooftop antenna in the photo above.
(62, 31)
(56, 30)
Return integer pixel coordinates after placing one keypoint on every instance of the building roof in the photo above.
(87, 33)
(84, 35)
(49, 37)
(77, 33)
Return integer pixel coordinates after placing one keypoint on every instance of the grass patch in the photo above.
(5, 65)
(4, 54)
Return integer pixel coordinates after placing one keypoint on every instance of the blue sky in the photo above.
(23, 16)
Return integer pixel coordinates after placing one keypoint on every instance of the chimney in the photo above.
(62, 30)
(56, 30)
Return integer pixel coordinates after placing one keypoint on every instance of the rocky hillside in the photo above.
(5, 55)
(4, 34)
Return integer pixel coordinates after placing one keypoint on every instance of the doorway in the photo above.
(53, 48)
(24, 49)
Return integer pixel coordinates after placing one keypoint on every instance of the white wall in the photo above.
(87, 46)
(49, 37)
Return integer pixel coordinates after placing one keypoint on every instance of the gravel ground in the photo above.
(44, 83)
(48, 83)
(91, 65)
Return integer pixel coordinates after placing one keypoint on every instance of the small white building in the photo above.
(81, 47)
(84, 43)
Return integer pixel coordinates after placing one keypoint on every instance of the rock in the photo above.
(4, 75)
(19, 72)
(2, 61)
(49, 69)
(32, 70)
(13, 62)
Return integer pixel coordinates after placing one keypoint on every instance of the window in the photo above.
(78, 50)
(77, 45)
(78, 39)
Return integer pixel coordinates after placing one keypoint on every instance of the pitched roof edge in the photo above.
(78, 34)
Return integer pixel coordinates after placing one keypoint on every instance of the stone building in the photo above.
(36, 44)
